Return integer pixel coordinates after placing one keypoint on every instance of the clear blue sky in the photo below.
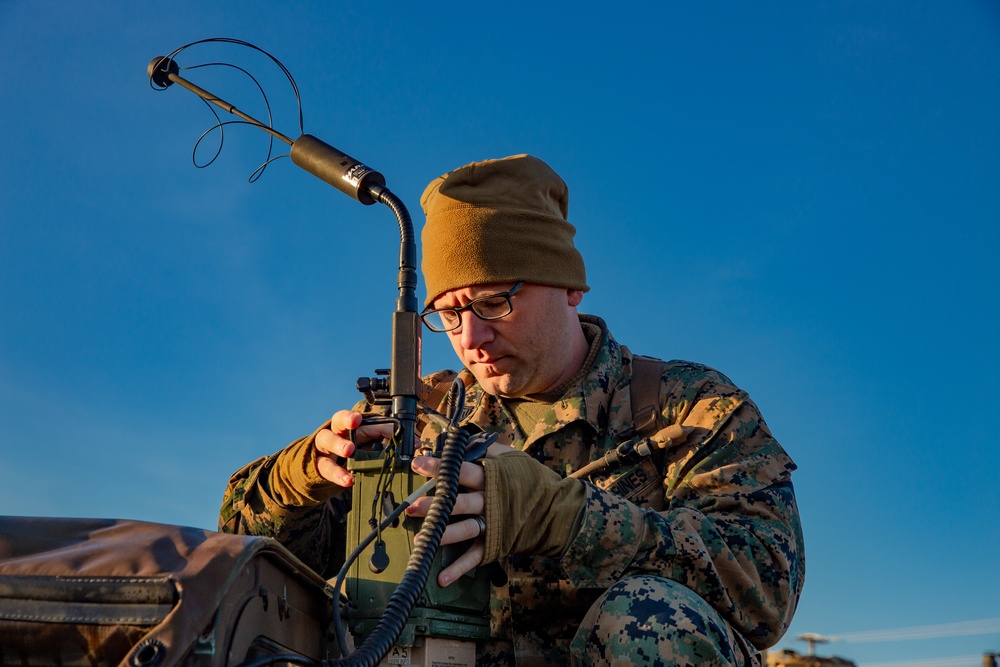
(803, 195)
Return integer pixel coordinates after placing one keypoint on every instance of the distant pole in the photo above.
(812, 639)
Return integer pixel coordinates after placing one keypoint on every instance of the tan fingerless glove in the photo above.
(529, 508)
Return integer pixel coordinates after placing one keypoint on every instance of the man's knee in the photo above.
(648, 620)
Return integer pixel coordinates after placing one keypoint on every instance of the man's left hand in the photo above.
(470, 503)
(516, 505)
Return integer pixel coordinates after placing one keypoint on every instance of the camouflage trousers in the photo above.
(646, 620)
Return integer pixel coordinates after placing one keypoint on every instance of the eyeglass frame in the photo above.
(471, 307)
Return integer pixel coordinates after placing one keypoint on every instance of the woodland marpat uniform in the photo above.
(712, 529)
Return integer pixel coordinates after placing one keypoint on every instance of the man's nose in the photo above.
(475, 331)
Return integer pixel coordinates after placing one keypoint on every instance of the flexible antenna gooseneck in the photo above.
(367, 186)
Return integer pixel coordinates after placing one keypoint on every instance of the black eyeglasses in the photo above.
(492, 307)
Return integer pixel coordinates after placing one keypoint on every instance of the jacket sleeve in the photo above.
(314, 532)
(309, 515)
(730, 527)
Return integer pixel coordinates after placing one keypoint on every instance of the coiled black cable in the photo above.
(338, 626)
(418, 567)
(397, 611)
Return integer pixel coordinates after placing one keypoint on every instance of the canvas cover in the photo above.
(117, 592)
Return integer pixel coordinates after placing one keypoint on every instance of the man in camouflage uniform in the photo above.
(689, 557)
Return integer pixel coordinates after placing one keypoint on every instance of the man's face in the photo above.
(530, 351)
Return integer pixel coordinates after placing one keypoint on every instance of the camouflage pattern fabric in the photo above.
(653, 621)
(714, 525)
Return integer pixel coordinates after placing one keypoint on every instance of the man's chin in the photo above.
(495, 386)
(498, 384)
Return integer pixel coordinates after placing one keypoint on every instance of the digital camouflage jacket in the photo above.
(717, 514)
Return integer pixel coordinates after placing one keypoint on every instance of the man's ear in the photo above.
(574, 297)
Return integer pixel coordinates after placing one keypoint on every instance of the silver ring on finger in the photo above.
(481, 522)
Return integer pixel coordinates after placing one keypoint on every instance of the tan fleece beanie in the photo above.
(499, 221)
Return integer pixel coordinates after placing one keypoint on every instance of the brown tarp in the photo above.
(106, 591)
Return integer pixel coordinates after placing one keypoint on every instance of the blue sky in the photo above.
(803, 195)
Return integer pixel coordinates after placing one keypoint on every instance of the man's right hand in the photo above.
(334, 446)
